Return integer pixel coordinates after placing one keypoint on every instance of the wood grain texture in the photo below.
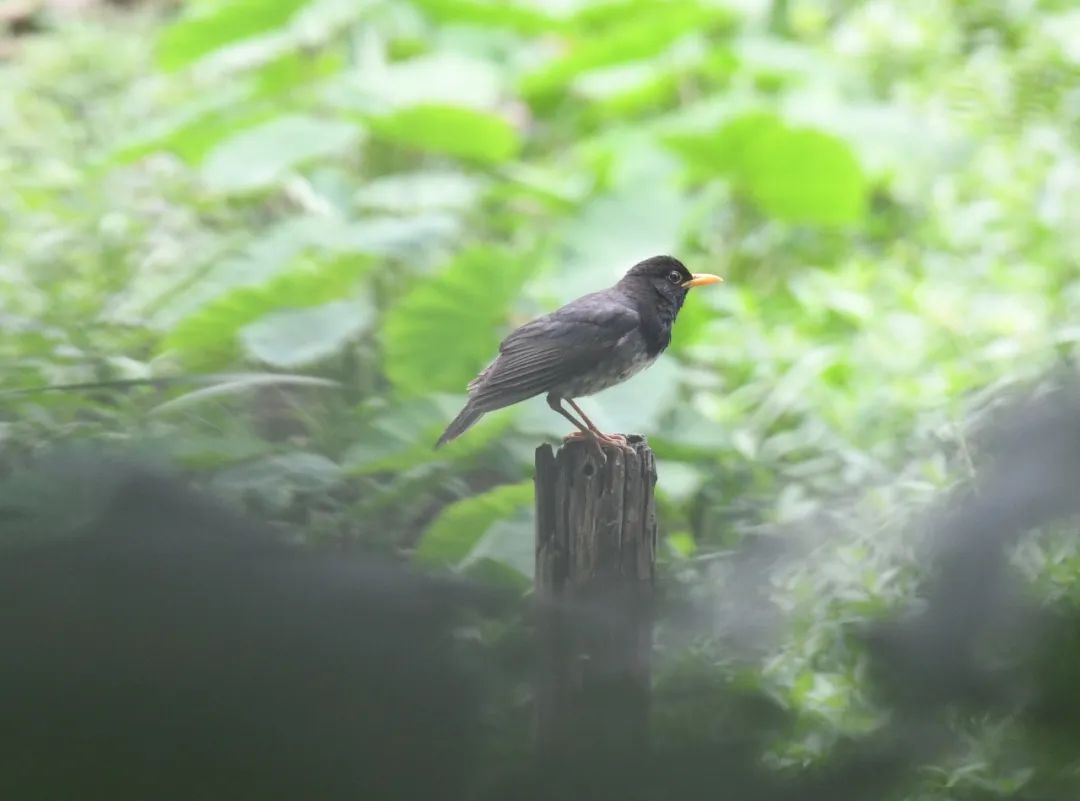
(595, 575)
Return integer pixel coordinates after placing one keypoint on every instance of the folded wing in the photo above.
(552, 350)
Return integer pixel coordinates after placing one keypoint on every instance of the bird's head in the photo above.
(668, 277)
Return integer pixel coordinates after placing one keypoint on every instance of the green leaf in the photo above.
(805, 176)
(459, 132)
(276, 250)
(403, 237)
(207, 338)
(401, 436)
(679, 481)
(190, 129)
(510, 542)
(461, 525)
(488, 14)
(634, 35)
(441, 78)
(717, 153)
(448, 326)
(627, 92)
(259, 157)
(295, 337)
(682, 543)
(797, 175)
(272, 252)
(420, 191)
(235, 384)
(494, 573)
(208, 27)
(296, 69)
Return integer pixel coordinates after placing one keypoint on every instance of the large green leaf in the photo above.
(460, 132)
(420, 191)
(402, 434)
(272, 252)
(438, 78)
(295, 337)
(406, 237)
(207, 338)
(227, 385)
(509, 542)
(679, 480)
(259, 157)
(714, 153)
(276, 250)
(490, 14)
(804, 176)
(638, 33)
(797, 175)
(463, 524)
(193, 127)
(444, 330)
(207, 27)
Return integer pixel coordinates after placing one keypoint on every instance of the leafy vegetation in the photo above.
(275, 239)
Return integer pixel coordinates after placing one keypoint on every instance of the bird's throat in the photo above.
(657, 318)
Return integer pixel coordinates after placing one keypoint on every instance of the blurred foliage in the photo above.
(275, 238)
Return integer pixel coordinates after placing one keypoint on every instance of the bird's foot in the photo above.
(599, 439)
(607, 439)
(613, 439)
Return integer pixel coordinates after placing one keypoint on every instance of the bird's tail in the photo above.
(464, 421)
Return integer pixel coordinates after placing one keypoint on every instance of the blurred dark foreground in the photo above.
(156, 647)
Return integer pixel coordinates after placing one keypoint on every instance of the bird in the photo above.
(588, 345)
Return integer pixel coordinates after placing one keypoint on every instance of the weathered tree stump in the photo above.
(595, 569)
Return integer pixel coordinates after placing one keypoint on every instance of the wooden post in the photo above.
(595, 570)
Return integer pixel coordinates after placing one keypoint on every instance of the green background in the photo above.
(278, 237)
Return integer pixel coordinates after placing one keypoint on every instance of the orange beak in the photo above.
(701, 279)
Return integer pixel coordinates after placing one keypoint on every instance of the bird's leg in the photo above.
(584, 431)
(614, 439)
(555, 402)
(584, 417)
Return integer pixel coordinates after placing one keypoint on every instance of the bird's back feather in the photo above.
(557, 350)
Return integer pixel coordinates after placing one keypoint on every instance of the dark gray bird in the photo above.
(588, 345)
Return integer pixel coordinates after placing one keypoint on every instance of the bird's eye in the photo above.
(675, 277)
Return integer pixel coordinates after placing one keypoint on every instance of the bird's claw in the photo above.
(614, 439)
(599, 439)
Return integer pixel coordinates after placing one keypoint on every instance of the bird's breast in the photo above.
(629, 358)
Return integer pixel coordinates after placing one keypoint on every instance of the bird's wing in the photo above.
(553, 349)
